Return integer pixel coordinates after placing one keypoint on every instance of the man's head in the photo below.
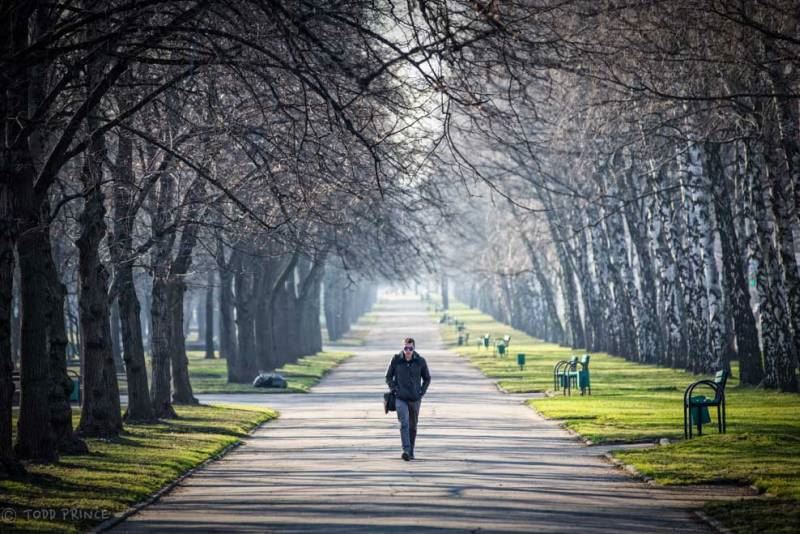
(408, 347)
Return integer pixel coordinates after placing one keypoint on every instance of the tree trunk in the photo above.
(609, 338)
(592, 324)
(61, 384)
(208, 329)
(100, 412)
(116, 337)
(35, 436)
(160, 325)
(284, 323)
(188, 302)
(139, 408)
(265, 340)
(182, 393)
(309, 330)
(674, 230)
(445, 295)
(331, 304)
(575, 338)
(547, 293)
(16, 306)
(246, 366)
(785, 182)
(651, 342)
(776, 332)
(625, 298)
(181, 386)
(701, 355)
(160, 394)
(9, 466)
(716, 315)
(751, 370)
(199, 313)
(227, 325)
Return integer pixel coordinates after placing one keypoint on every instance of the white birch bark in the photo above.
(697, 304)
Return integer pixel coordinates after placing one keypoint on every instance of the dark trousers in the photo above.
(407, 414)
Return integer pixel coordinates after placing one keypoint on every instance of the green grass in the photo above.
(118, 473)
(211, 376)
(634, 402)
(355, 337)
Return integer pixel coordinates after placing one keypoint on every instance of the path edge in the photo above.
(135, 508)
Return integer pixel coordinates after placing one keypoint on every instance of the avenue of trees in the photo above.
(651, 195)
(615, 176)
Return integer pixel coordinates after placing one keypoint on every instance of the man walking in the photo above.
(408, 377)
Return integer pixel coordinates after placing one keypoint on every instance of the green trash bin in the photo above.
(501, 349)
(75, 394)
(521, 361)
(699, 412)
(460, 340)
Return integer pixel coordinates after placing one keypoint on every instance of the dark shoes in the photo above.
(406, 456)
(411, 455)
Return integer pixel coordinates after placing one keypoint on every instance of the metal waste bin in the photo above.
(75, 394)
(699, 412)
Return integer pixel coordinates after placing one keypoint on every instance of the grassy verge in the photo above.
(635, 402)
(211, 376)
(355, 337)
(81, 491)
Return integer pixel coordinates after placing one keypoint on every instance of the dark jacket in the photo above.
(404, 377)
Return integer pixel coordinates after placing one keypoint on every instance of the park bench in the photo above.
(75, 395)
(695, 407)
(561, 372)
(567, 374)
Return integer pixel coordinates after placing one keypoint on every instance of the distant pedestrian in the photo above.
(408, 377)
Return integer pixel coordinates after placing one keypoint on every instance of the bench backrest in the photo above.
(573, 360)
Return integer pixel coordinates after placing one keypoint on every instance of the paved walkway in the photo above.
(486, 463)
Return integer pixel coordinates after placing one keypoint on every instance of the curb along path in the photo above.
(486, 462)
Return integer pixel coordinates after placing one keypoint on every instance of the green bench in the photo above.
(561, 372)
(695, 407)
(74, 396)
(567, 375)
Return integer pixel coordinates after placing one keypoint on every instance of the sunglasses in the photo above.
(408, 348)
